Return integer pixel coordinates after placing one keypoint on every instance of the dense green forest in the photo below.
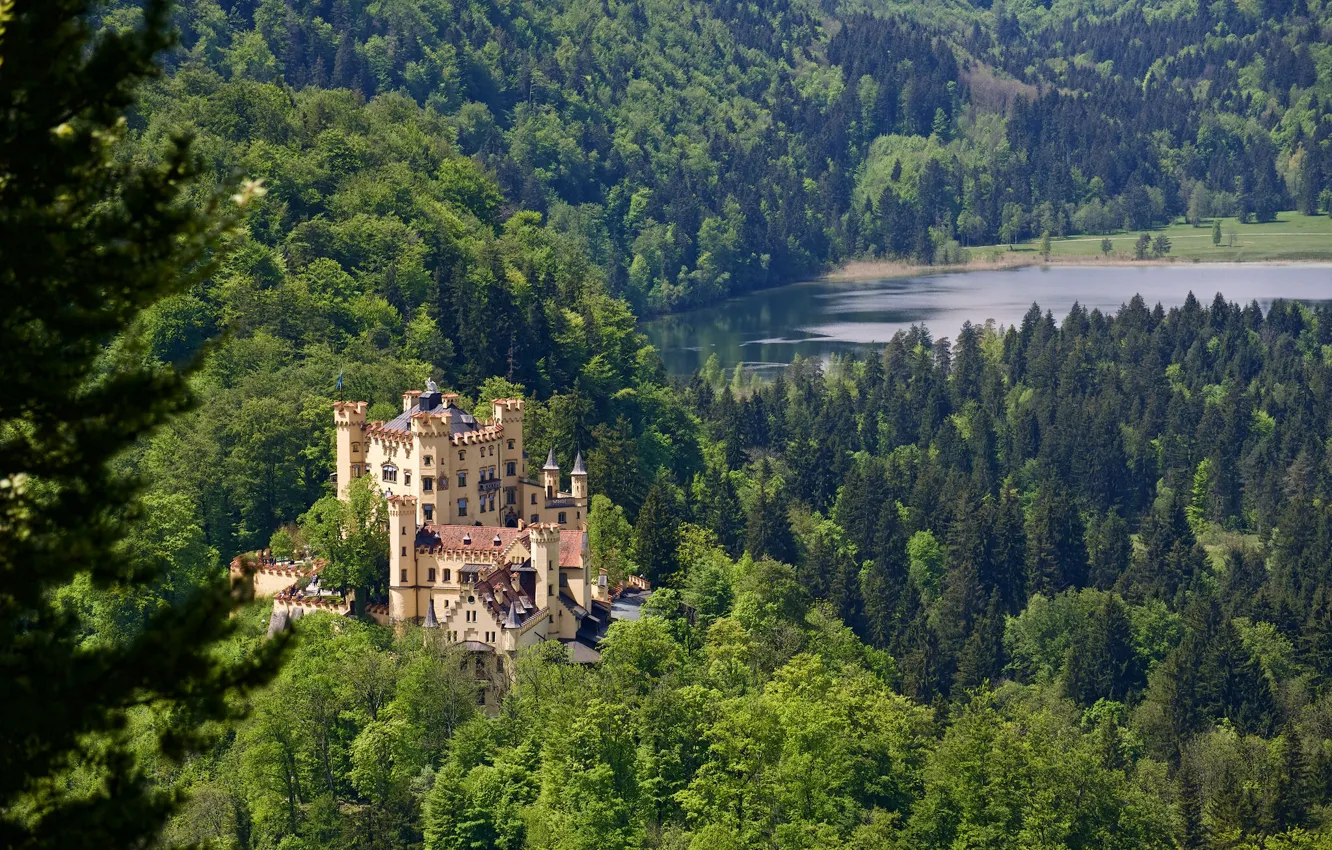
(1062, 585)
(698, 149)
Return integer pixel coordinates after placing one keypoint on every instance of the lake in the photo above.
(818, 318)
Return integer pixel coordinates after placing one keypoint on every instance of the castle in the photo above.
(458, 471)
(494, 560)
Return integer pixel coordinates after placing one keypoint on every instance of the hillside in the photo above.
(1060, 585)
(718, 147)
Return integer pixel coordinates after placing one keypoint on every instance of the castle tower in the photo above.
(508, 413)
(349, 423)
(579, 486)
(550, 476)
(402, 558)
(545, 539)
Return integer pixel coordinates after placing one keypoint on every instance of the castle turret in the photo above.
(402, 558)
(550, 476)
(579, 486)
(349, 422)
(545, 539)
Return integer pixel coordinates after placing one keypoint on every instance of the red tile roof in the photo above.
(571, 548)
(482, 538)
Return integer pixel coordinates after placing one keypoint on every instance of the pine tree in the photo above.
(88, 241)
(1288, 795)
(1103, 664)
(1056, 550)
(1193, 835)
(768, 526)
(657, 533)
(982, 656)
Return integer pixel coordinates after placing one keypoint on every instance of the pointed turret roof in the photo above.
(579, 469)
(550, 460)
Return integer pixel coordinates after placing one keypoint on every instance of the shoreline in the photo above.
(857, 271)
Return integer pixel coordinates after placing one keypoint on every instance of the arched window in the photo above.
(356, 448)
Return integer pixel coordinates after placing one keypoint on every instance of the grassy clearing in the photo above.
(1291, 237)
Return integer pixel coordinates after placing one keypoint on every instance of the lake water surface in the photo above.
(818, 318)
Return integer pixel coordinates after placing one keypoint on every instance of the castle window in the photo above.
(407, 477)
(431, 574)
(499, 664)
(510, 497)
(462, 478)
(404, 531)
(404, 551)
(448, 576)
(511, 468)
(563, 519)
(462, 455)
(404, 577)
(428, 484)
(356, 470)
(578, 514)
(427, 460)
(534, 498)
(389, 472)
(462, 507)
(536, 518)
(429, 511)
(511, 445)
(492, 502)
(356, 447)
(481, 695)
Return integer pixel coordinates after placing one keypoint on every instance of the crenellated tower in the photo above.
(403, 578)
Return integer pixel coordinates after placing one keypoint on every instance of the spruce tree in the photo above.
(88, 241)
(657, 533)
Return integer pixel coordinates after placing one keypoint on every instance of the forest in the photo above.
(1058, 585)
(700, 149)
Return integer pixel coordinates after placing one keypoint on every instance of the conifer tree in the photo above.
(657, 533)
(768, 528)
(1103, 664)
(88, 241)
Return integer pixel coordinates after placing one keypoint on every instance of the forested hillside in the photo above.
(712, 147)
(1061, 586)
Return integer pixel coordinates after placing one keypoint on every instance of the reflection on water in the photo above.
(818, 318)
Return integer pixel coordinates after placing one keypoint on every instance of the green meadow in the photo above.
(1291, 237)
